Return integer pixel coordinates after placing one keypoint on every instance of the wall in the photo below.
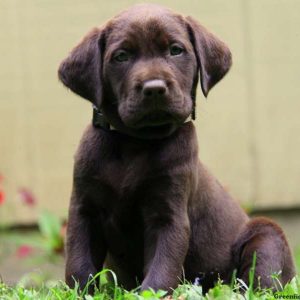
(248, 127)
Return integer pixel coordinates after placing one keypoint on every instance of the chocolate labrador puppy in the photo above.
(143, 204)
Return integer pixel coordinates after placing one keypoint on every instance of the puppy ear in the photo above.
(81, 70)
(213, 56)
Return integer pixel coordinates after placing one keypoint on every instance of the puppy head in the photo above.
(141, 69)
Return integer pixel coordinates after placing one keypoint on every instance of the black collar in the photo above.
(99, 120)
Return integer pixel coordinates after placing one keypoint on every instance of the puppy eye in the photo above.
(121, 56)
(175, 49)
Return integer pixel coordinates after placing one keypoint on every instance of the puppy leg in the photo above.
(273, 255)
(165, 250)
(166, 236)
(85, 249)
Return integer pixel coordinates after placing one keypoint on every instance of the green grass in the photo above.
(36, 286)
(185, 291)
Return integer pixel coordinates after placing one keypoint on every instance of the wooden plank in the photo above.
(275, 32)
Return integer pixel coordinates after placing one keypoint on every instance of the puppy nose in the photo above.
(154, 88)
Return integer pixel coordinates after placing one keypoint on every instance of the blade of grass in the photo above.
(252, 277)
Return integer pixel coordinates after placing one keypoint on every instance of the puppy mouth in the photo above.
(155, 119)
(157, 124)
(156, 132)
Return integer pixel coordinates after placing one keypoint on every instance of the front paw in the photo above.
(84, 279)
(155, 283)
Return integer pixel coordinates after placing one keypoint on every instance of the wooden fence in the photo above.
(248, 128)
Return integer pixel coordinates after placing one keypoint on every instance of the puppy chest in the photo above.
(124, 233)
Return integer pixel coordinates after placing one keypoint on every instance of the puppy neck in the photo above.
(99, 120)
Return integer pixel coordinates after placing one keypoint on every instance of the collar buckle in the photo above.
(99, 120)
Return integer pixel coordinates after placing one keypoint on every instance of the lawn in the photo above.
(185, 291)
(42, 251)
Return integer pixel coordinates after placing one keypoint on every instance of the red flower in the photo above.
(27, 196)
(23, 251)
(2, 197)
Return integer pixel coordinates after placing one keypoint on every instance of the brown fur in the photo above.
(142, 203)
